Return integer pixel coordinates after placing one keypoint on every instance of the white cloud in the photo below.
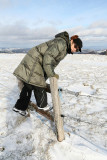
(24, 32)
(10, 3)
(93, 35)
(18, 34)
(96, 29)
(89, 31)
(98, 24)
(93, 32)
(5, 3)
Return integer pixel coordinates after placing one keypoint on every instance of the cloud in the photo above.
(93, 35)
(24, 32)
(97, 30)
(5, 3)
(93, 32)
(98, 24)
(19, 35)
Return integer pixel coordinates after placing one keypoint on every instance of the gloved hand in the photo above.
(48, 88)
(56, 75)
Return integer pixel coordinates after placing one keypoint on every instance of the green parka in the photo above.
(42, 59)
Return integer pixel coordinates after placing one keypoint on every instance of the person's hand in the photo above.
(56, 75)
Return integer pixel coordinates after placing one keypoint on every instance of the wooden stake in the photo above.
(57, 109)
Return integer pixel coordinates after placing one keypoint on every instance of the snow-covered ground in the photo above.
(83, 101)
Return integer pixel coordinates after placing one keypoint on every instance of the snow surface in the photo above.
(84, 103)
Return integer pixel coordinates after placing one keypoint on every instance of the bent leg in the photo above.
(24, 98)
(41, 96)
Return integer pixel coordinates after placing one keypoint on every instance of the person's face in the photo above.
(74, 47)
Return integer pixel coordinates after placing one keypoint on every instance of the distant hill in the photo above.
(14, 50)
(25, 50)
(102, 52)
(87, 51)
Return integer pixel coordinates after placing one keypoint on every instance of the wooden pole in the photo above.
(57, 109)
(46, 114)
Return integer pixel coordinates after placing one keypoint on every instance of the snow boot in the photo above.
(47, 108)
(23, 113)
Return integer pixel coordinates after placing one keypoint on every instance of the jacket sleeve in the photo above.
(49, 61)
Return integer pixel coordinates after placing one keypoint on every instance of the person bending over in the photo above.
(38, 65)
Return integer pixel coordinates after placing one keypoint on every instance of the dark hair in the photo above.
(77, 41)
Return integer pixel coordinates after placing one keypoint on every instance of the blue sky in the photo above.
(26, 23)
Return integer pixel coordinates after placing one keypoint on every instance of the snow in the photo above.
(84, 104)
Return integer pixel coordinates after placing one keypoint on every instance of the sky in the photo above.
(27, 23)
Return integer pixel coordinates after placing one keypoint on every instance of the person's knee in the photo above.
(41, 97)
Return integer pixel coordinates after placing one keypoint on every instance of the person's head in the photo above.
(76, 44)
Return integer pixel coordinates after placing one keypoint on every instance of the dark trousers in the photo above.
(25, 95)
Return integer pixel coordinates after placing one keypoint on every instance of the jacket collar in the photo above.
(69, 48)
(65, 36)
